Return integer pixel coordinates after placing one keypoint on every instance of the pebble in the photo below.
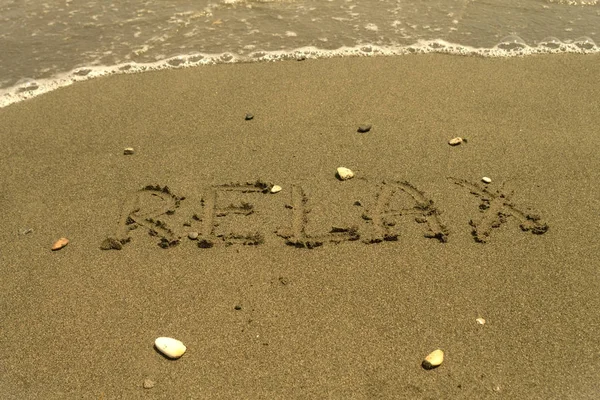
(364, 128)
(60, 243)
(148, 383)
(249, 117)
(486, 179)
(128, 151)
(455, 141)
(480, 321)
(193, 235)
(276, 189)
(434, 359)
(345, 173)
(170, 347)
(111, 244)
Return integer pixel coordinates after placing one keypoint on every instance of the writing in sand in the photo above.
(255, 213)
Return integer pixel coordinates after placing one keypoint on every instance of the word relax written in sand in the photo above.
(249, 214)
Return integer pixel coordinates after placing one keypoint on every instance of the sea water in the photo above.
(48, 44)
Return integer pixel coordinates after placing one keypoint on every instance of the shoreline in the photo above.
(38, 87)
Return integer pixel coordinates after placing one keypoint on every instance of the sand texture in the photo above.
(329, 289)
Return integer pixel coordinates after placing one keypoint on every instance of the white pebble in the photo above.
(170, 347)
(276, 189)
(480, 321)
(345, 173)
(455, 141)
(486, 179)
(434, 359)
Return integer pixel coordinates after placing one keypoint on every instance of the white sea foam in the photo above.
(510, 46)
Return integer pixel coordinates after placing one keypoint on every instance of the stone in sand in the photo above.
(111, 244)
(276, 189)
(193, 235)
(486, 179)
(128, 151)
(455, 141)
(364, 128)
(205, 244)
(434, 359)
(148, 383)
(60, 243)
(480, 321)
(344, 173)
(170, 347)
(249, 117)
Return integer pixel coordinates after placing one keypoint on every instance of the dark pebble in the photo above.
(111, 244)
(249, 117)
(238, 307)
(205, 244)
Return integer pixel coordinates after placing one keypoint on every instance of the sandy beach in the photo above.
(329, 289)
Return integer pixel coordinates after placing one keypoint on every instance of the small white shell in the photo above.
(170, 347)
(276, 189)
(345, 173)
(486, 179)
(480, 321)
(434, 359)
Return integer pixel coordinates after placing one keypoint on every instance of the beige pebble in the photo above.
(148, 383)
(345, 173)
(455, 141)
(434, 359)
(276, 189)
(480, 321)
(128, 151)
(170, 347)
(60, 243)
(193, 235)
(486, 179)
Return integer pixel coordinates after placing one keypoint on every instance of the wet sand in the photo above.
(327, 289)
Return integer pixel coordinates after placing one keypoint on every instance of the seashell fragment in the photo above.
(480, 321)
(486, 179)
(344, 173)
(433, 360)
(128, 151)
(455, 141)
(276, 189)
(60, 243)
(170, 347)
